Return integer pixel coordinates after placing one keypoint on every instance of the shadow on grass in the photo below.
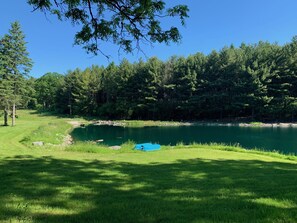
(53, 190)
(48, 113)
(58, 115)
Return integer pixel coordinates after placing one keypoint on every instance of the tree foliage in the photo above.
(46, 88)
(254, 82)
(127, 23)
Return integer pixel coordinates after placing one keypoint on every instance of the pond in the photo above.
(266, 138)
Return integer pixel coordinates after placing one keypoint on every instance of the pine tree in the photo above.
(6, 92)
(17, 65)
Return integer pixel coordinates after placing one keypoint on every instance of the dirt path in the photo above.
(75, 123)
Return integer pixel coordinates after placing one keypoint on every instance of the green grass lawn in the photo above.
(189, 184)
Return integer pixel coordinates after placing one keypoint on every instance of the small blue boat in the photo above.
(147, 147)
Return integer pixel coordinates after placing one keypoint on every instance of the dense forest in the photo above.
(249, 82)
(252, 82)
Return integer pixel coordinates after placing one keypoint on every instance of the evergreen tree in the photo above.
(6, 92)
(16, 67)
(283, 82)
(125, 72)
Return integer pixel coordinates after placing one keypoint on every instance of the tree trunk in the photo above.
(5, 117)
(70, 110)
(13, 115)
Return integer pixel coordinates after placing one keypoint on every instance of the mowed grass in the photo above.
(203, 184)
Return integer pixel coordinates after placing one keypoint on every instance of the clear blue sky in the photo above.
(213, 24)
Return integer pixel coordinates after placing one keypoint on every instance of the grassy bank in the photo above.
(196, 183)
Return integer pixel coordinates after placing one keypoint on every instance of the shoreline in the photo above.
(149, 123)
(242, 124)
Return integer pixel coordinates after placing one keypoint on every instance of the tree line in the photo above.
(251, 82)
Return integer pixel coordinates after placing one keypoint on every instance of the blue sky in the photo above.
(212, 25)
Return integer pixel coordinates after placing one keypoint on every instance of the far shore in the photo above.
(274, 125)
(145, 123)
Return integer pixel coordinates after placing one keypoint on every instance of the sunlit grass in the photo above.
(50, 133)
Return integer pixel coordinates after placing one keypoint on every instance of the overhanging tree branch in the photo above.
(124, 23)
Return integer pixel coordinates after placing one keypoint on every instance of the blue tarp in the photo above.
(147, 147)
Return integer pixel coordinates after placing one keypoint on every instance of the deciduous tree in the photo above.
(127, 23)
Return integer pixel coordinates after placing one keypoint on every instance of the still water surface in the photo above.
(266, 138)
